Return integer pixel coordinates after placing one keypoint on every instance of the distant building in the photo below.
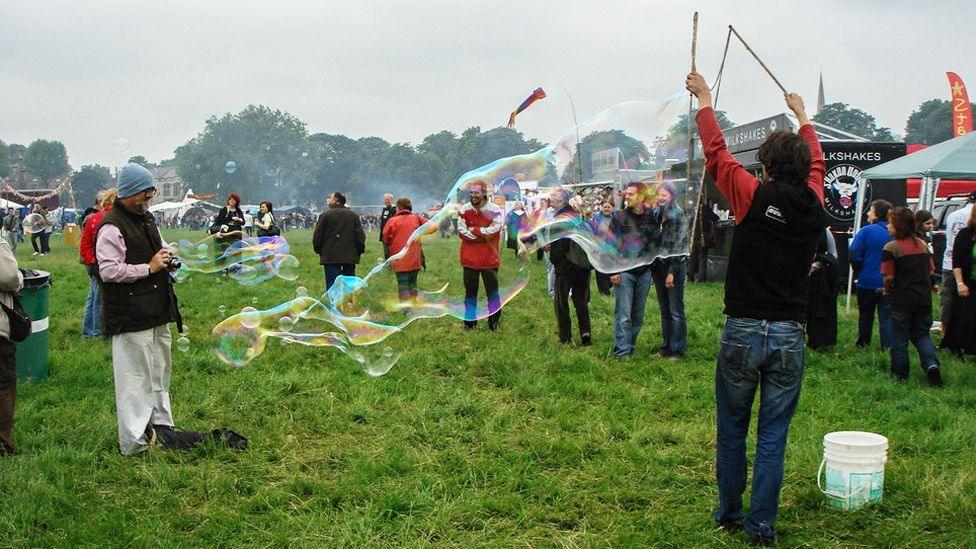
(169, 185)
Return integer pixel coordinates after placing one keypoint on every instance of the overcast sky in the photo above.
(152, 71)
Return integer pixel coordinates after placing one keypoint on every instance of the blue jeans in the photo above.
(867, 301)
(333, 270)
(674, 327)
(912, 327)
(768, 356)
(93, 309)
(629, 301)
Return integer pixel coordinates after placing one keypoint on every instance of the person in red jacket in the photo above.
(396, 233)
(479, 225)
(778, 222)
(91, 325)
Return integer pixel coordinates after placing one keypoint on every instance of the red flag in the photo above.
(962, 110)
(536, 95)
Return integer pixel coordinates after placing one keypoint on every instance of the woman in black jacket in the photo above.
(961, 335)
(822, 300)
(572, 268)
(228, 226)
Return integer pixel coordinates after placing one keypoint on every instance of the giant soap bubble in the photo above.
(634, 155)
(247, 260)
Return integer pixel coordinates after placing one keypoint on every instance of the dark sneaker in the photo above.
(494, 327)
(661, 353)
(176, 439)
(585, 340)
(565, 341)
(730, 527)
(898, 378)
(762, 541)
(934, 376)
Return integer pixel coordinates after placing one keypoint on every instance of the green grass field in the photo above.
(483, 439)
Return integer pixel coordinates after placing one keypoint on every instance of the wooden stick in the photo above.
(691, 136)
(756, 57)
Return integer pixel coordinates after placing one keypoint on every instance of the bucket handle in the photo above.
(820, 471)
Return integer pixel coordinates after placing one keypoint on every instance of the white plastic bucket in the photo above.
(853, 468)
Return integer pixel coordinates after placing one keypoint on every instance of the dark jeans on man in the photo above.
(671, 301)
(577, 282)
(764, 355)
(471, 313)
(407, 285)
(867, 301)
(333, 270)
(912, 327)
(8, 393)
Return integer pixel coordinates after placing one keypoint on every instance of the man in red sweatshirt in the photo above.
(778, 222)
(479, 225)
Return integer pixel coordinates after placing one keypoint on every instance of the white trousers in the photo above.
(142, 362)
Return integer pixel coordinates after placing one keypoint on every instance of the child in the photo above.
(907, 267)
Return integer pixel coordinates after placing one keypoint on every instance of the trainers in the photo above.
(176, 439)
(934, 376)
(762, 541)
(585, 340)
(36, 253)
(731, 526)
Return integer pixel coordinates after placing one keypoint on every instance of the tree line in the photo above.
(276, 158)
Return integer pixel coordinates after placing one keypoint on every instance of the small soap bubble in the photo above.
(288, 268)
(250, 317)
(301, 291)
(230, 166)
(285, 323)
(34, 223)
(183, 344)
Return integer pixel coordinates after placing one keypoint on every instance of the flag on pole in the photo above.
(962, 111)
(536, 95)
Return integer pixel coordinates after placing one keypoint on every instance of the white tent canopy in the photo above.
(4, 203)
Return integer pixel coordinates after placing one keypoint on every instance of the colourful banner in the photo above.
(536, 95)
(962, 110)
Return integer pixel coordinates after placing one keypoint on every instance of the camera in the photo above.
(174, 264)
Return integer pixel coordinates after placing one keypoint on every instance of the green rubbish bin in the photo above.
(32, 352)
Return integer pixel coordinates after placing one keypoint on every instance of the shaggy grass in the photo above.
(473, 439)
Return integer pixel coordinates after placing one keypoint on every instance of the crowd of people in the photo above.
(779, 290)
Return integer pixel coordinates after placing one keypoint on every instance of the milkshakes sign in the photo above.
(845, 161)
(749, 136)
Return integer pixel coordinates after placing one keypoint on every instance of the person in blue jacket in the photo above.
(865, 256)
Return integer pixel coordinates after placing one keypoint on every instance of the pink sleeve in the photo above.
(110, 252)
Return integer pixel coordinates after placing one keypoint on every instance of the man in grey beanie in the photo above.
(139, 304)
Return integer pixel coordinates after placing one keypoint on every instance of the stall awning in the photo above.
(953, 159)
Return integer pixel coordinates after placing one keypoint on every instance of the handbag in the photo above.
(20, 323)
(272, 230)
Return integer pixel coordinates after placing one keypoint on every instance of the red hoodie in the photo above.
(479, 231)
(396, 232)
